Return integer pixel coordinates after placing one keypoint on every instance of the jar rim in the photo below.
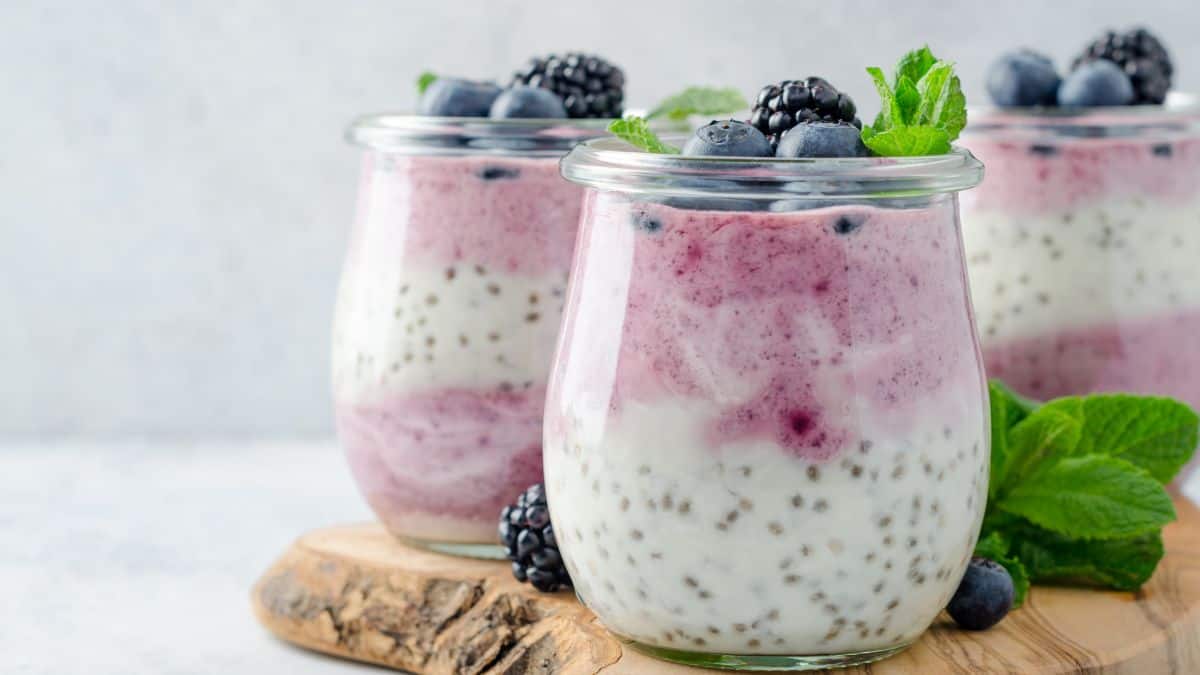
(613, 164)
(1179, 113)
(404, 133)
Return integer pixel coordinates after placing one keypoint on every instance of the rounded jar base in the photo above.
(766, 662)
(456, 548)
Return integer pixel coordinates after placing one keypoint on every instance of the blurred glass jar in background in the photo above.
(1083, 247)
(447, 315)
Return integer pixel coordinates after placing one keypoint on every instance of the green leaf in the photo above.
(942, 102)
(1091, 497)
(915, 64)
(1157, 434)
(996, 547)
(426, 78)
(889, 111)
(908, 100)
(908, 141)
(1124, 564)
(1007, 410)
(699, 101)
(636, 132)
(1035, 442)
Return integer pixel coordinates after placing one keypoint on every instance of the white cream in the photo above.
(416, 328)
(1120, 259)
(746, 549)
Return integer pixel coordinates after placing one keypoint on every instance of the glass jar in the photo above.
(448, 309)
(766, 431)
(1082, 248)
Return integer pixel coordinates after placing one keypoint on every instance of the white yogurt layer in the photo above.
(1125, 258)
(424, 328)
(748, 550)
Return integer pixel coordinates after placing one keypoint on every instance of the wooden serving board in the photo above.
(355, 592)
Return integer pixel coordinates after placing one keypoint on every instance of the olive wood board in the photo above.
(356, 592)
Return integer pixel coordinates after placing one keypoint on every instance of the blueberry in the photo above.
(728, 138)
(822, 139)
(452, 97)
(528, 102)
(1023, 78)
(1096, 83)
(984, 595)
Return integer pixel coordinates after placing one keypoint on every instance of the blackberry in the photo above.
(588, 85)
(780, 107)
(528, 538)
(1143, 58)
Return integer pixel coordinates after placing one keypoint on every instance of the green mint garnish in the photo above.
(699, 101)
(636, 132)
(996, 547)
(1076, 492)
(922, 109)
(426, 78)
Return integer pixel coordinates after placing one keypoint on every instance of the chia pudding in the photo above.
(766, 430)
(1082, 246)
(447, 314)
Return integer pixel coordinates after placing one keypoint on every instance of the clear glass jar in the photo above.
(1082, 248)
(448, 310)
(766, 431)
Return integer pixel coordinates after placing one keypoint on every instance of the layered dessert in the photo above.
(766, 431)
(447, 315)
(1082, 256)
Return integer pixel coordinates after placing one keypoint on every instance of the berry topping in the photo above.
(589, 86)
(1140, 55)
(452, 97)
(524, 101)
(822, 139)
(528, 538)
(1023, 78)
(780, 107)
(984, 595)
(1096, 83)
(728, 138)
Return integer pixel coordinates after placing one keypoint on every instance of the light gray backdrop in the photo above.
(174, 191)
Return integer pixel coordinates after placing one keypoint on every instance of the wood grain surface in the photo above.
(357, 593)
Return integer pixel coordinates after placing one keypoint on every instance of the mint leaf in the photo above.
(908, 99)
(907, 141)
(699, 101)
(995, 547)
(426, 78)
(1090, 497)
(1123, 564)
(636, 132)
(889, 112)
(1007, 410)
(1159, 435)
(942, 102)
(1036, 441)
(915, 64)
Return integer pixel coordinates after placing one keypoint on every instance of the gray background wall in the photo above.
(174, 193)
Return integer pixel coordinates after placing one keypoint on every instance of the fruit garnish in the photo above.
(1140, 55)
(1096, 83)
(822, 139)
(527, 103)
(983, 597)
(699, 101)
(528, 538)
(923, 108)
(782, 106)
(728, 138)
(454, 97)
(588, 85)
(1076, 492)
(1023, 78)
(424, 80)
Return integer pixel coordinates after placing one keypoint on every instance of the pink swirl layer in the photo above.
(454, 453)
(1026, 178)
(509, 214)
(789, 322)
(1159, 355)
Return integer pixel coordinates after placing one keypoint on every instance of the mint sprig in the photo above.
(922, 109)
(424, 80)
(636, 132)
(1076, 492)
(699, 101)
